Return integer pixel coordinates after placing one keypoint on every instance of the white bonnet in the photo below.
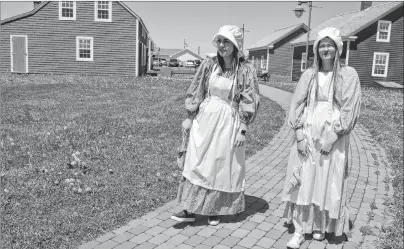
(234, 34)
(333, 34)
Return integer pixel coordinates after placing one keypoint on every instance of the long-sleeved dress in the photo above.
(214, 169)
(320, 106)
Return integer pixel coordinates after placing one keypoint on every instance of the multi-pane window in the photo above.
(380, 64)
(303, 63)
(67, 10)
(383, 31)
(84, 48)
(103, 11)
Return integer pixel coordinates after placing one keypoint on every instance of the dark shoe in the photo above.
(213, 220)
(184, 216)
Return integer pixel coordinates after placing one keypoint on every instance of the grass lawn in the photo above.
(82, 155)
(382, 115)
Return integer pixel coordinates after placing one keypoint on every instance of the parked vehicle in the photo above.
(163, 62)
(190, 63)
(156, 62)
(173, 63)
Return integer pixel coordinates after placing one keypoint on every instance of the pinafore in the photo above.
(214, 169)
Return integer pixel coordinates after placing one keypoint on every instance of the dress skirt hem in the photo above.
(203, 201)
(313, 219)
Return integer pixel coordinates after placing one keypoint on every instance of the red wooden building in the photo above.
(76, 37)
(373, 43)
(274, 51)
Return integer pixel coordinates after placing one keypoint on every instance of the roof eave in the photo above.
(352, 34)
(41, 5)
(271, 45)
(179, 52)
(134, 14)
(26, 14)
(191, 52)
(344, 38)
(263, 47)
(302, 25)
(376, 19)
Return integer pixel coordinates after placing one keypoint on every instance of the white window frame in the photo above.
(144, 55)
(78, 38)
(378, 39)
(96, 12)
(67, 18)
(302, 69)
(262, 62)
(375, 54)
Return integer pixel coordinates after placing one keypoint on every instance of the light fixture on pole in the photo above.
(299, 12)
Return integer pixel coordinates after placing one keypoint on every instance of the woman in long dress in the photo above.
(324, 110)
(221, 102)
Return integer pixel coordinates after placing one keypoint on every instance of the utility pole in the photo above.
(243, 29)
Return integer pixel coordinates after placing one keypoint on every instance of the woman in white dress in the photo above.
(324, 110)
(221, 102)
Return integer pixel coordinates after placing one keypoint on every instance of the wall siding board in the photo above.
(52, 43)
(361, 56)
(280, 56)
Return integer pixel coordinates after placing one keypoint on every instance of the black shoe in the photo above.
(184, 216)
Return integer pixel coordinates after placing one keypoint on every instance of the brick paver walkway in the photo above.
(261, 226)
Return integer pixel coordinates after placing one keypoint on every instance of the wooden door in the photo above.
(19, 54)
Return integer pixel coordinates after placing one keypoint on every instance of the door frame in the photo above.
(11, 52)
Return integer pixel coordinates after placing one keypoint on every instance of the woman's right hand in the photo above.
(187, 124)
(302, 147)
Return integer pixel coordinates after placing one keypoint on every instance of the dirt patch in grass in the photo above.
(84, 155)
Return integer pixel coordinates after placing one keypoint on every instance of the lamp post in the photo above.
(299, 12)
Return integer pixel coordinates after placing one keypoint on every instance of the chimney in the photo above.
(36, 3)
(199, 50)
(365, 5)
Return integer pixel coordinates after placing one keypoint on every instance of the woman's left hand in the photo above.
(328, 142)
(240, 140)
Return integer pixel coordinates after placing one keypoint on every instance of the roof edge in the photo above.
(259, 48)
(362, 27)
(193, 53)
(311, 42)
(41, 5)
(301, 25)
(25, 14)
(377, 18)
(134, 14)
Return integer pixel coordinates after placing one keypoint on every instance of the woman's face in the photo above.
(225, 46)
(327, 49)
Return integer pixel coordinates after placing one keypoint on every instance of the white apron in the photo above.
(212, 161)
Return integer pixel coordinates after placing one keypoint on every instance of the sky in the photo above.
(170, 23)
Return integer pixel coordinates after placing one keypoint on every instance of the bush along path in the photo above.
(261, 226)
